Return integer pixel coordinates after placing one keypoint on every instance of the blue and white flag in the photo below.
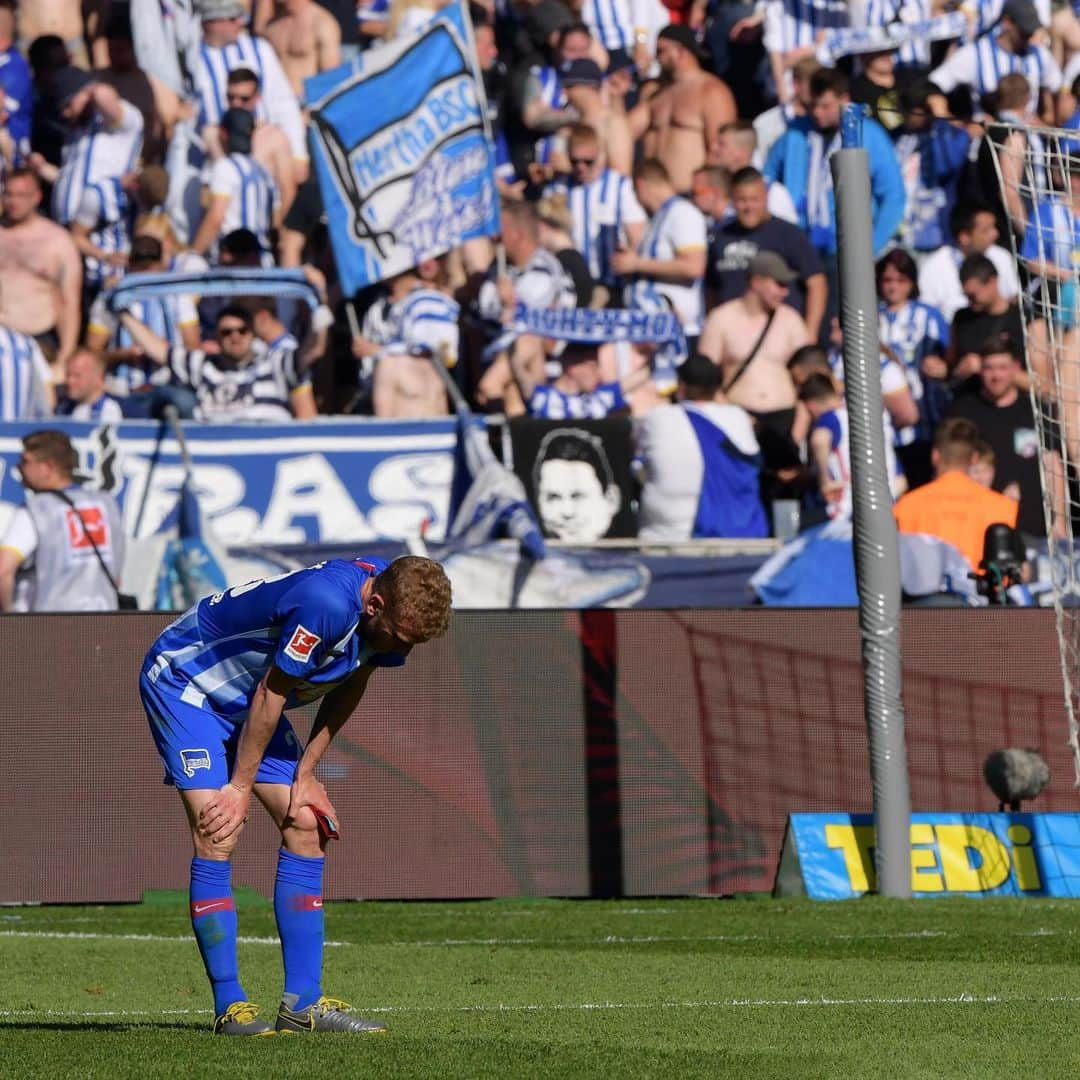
(488, 500)
(402, 152)
(193, 563)
(851, 41)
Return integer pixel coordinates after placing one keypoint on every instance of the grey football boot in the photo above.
(241, 1018)
(327, 1014)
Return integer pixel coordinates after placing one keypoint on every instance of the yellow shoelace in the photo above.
(333, 1003)
(243, 1012)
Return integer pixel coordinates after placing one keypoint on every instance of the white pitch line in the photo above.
(652, 939)
(607, 939)
(963, 998)
(732, 1003)
(102, 1014)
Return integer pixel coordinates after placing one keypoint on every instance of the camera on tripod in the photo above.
(1002, 563)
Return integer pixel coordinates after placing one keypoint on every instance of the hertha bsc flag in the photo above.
(402, 152)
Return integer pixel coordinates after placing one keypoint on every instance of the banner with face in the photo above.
(577, 476)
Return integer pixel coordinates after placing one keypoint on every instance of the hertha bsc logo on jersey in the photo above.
(301, 644)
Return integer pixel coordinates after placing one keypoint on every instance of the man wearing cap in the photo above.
(227, 45)
(699, 463)
(241, 193)
(980, 64)
(104, 139)
(678, 120)
(752, 338)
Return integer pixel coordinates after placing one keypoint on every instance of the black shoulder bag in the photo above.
(124, 601)
(753, 352)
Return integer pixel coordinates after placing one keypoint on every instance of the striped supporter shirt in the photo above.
(24, 374)
(601, 210)
(94, 152)
(260, 389)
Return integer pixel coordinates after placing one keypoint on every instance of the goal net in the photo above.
(1038, 173)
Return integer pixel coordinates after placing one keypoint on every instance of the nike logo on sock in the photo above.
(202, 909)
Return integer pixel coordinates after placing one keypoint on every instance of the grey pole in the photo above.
(877, 552)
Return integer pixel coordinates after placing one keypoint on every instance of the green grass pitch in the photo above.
(748, 988)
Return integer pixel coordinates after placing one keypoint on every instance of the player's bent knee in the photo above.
(304, 821)
(208, 848)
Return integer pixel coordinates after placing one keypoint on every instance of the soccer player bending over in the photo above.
(215, 686)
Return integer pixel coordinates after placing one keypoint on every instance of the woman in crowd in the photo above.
(914, 331)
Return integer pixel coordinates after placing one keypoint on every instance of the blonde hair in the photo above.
(554, 210)
(417, 595)
(159, 226)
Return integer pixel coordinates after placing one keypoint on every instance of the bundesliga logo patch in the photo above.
(301, 644)
(86, 526)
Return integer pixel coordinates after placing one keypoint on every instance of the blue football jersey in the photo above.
(308, 623)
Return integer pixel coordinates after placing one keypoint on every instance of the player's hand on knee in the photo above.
(306, 793)
(302, 818)
(225, 814)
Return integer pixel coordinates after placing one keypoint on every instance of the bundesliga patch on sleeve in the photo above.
(301, 644)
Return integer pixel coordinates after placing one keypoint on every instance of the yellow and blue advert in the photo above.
(951, 854)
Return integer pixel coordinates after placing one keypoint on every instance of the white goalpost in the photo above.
(1038, 171)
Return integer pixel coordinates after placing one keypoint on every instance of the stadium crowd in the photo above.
(664, 156)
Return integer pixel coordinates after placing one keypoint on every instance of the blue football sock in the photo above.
(213, 918)
(299, 912)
